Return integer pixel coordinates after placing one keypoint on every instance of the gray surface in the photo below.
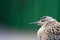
(18, 36)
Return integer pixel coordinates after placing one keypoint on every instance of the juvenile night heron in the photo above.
(50, 28)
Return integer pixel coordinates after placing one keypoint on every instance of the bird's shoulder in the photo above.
(54, 28)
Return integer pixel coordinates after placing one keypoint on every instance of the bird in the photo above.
(49, 30)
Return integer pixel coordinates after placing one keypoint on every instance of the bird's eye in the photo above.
(42, 20)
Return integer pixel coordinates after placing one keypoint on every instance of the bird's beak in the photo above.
(35, 23)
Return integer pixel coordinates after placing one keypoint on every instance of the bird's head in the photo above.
(43, 20)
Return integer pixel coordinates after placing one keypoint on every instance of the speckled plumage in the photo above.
(49, 31)
(50, 28)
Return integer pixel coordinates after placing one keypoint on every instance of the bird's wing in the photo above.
(54, 32)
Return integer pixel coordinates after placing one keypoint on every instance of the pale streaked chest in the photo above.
(51, 31)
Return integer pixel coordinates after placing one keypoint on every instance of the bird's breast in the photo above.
(49, 32)
(41, 32)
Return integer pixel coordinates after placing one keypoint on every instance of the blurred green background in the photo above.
(18, 13)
